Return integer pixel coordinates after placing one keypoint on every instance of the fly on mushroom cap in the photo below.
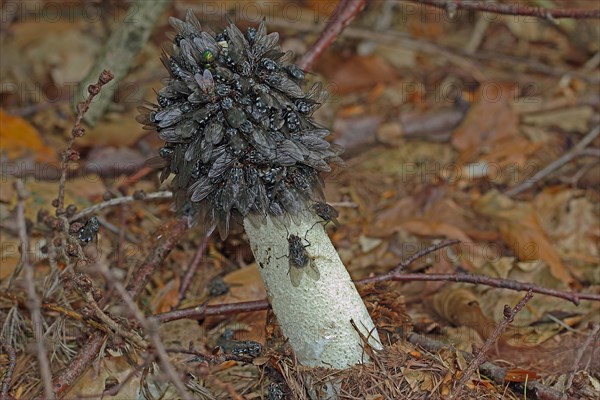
(238, 127)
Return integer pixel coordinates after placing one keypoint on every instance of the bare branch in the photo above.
(510, 284)
(595, 329)
(69, 154)
(193, 267)
(493, 371)
(343, 15)
(565, 158)
(166, 239)
(512, 9)
(509, 316)
(33, 301)
(118, 201)
(12, 363)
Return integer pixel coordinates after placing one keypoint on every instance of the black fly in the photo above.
(238, 348)
(326, 212)
(89, 230)
(300, 261)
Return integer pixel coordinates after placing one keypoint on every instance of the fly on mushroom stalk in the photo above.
(326, 212)
(300, 261)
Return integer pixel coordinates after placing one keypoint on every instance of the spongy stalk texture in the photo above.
(315, 316)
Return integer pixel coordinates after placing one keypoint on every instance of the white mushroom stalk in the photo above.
(315, 316)
(241, 140)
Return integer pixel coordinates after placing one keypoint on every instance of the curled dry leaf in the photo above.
(520, 228)
(19, 138)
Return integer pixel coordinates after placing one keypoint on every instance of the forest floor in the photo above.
(458, 125)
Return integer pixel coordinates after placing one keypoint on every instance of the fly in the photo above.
(326, 212)
(89, 230)
(300, 261)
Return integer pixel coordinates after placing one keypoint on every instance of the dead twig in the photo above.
(510, 284)
(512, 9)
(568, 156)
(118, 201)
(149, 327)
(595, 329)
(12, 363)
(497, 374)
(202, 311)
(166, 239)
(193, 267)
(343, 15)
(69, 154)
(509, 316)
(121, 49)
(455, 55)
(33, 301)
(83, 285)
(422, 253)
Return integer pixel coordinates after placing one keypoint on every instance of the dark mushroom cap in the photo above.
(238, 128)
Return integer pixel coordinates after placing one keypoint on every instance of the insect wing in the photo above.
(313, 271)
(295, 274)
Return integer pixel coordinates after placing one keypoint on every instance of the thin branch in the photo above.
(488, 369)
(202, 311)
(150, 328)
(510, 284)
(568, 156)
(423, 253)
(167, 194)
(78, 365)
(588, 341)
(166, 238)
(509, 316)
(455, 55)
(130, 335)
(33, 301)
(590, 152)
(343, 15)
(69, 154)
(193, 267)
(512, 9)
(120, 51)
(12, 363)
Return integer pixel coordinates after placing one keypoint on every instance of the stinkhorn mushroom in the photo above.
(242, 144)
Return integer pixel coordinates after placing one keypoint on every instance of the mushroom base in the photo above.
(315, 315)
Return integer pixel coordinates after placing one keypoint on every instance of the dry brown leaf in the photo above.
(357, 73)
(419, 380)
(20, 138)
(245, 284)
(489, 121)
(571, 221)
(109, 369)
(80, 191)
(569, 119)
(118, 130)
(519, 226)
(426, 227)
(166, 297)
(389, 220)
